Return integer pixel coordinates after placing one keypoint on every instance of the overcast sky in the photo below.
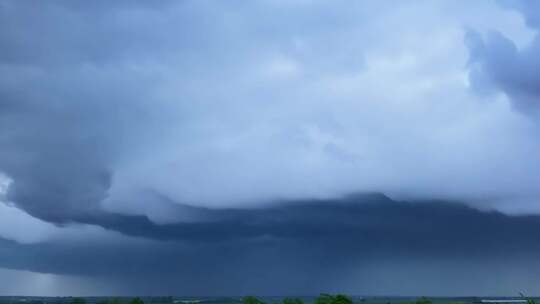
(269, 147)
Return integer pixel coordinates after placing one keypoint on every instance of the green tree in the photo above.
(342, 299)
(251, 300)
(78, 301)
(333, 299)
(529, 300)
(136, 301)
(110, 301)
(423, 300)
(292, 301)
(324, 299)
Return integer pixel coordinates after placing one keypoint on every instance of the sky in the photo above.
(269, 147)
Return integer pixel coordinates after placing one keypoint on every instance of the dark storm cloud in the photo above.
(54, 150)
(356, 226)
(431, 228)
(232, 115)
(497, 63)
(304, 245)
(66, 110)
(204, 102)
(79, 88)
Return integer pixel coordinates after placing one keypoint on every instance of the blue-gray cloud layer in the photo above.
(307, 247)
(498, 63)
(212, 145)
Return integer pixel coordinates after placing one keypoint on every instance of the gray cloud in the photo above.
(366, 218)
(210, 147)
(497, 63)
(76, 99)
(218, 106)
(301, 247)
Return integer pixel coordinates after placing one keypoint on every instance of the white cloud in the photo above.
(406, 123)
(262, 103)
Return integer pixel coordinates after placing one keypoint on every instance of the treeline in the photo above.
(80, 300)
(322, 299)
(109, 301)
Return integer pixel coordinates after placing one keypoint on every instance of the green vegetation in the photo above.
(333, 299)
(251, 300)
(78, 301)
(529, 300)
(423, 300)
(254, 300)
(136, 301)
(110, 301)
(292, 301)
(322, 299)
